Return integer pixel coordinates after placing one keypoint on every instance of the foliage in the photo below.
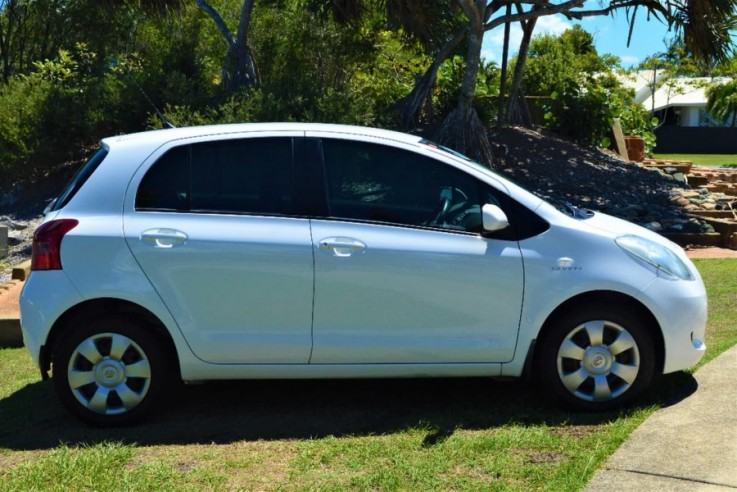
(585, 93)
(585, 112)
(96, 68)
(22, 102)
(565, 68)
(450, 76)
(554, 61)
(67, 102)
(60, 93)
(677, 61)
(314, 69)
(33, 30)
(722, 101)
(579, 112)
(357, 81)
(636, 120)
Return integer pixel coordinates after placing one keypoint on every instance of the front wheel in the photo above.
(108, 371)
(597, 359)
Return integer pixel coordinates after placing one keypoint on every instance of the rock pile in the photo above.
(559, 170)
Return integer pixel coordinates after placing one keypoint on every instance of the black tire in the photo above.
(597, 358)
(109, 370)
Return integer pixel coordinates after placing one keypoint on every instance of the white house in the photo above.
(677, 101)
(680, 105)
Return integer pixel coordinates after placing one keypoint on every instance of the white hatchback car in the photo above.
(326, 251)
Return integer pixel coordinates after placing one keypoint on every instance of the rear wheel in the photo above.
(597, 358)
(109, 370)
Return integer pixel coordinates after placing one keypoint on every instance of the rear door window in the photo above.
(250, 176)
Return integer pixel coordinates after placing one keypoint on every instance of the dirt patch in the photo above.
(9, 295)
(247, 465)
(712, 253)
(576, 431)
(546, 457)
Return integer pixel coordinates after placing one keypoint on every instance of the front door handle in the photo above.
(342, 246)
(163, 238)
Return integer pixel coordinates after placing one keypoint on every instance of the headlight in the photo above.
(655, 254)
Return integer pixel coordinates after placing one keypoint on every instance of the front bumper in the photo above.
(680, 308)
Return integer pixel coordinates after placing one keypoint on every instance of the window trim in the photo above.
(322, 169)
(297, 161)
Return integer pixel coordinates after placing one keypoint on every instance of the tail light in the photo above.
(47, 244)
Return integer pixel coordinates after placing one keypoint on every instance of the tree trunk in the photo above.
(516, 112)
(500, 117)
(410, 106)
(239, 67)
(473, 60)
(463, 130)
(4, 57)
(6, 40)
(246, 72)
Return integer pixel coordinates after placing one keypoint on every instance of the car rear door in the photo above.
(215, 227)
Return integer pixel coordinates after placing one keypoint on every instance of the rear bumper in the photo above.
(45, 297)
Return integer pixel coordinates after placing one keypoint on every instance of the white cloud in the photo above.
(552, 24)
(494, 42)
(491, 48)
(629, 60)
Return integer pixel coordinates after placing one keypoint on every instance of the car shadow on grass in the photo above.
(226, 412)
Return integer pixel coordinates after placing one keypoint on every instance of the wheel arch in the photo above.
(611, 298)
(106, 306)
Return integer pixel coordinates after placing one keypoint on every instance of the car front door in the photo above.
(402, 271)
(213, 226)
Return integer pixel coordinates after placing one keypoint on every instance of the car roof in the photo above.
(158, 137)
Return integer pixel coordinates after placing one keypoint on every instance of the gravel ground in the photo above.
(22, 218)
(20, 240)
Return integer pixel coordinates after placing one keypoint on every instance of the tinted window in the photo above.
(166, 184)
(79, 178)
(237, 176)
(379, 183)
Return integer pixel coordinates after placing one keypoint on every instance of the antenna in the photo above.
(164, 121)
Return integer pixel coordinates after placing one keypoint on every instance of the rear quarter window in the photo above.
(78, 180)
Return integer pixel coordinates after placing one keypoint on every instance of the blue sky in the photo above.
(610, 36)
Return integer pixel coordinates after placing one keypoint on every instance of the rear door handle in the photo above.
(342, 246)
(163, 238)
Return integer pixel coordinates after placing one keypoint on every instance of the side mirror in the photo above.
(493, 218)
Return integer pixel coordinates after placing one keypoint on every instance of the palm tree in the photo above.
(722, 101)
(706, 26)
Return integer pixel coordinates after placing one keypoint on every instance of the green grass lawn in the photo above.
(468, 434)
(706, 160)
